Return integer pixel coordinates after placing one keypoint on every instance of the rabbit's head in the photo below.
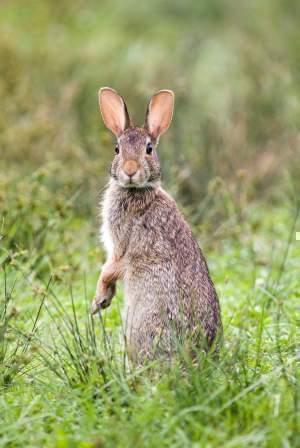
(136, 164)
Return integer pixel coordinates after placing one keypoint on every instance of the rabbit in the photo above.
(169, 295)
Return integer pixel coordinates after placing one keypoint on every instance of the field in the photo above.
(231, 160)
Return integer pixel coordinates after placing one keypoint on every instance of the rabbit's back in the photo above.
(168, 291)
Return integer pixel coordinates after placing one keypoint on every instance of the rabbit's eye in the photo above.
(117, 150)
(149, 148)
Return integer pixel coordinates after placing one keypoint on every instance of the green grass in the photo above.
(64, 378)
(229, 159)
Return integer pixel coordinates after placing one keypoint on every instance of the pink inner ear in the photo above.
(160, 113)
(113, 111)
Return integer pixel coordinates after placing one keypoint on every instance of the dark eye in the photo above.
(149, 148)
(117, 149)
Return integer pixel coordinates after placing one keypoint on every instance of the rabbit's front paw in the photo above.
(103, 298)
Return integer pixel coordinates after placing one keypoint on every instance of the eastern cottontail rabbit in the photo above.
(169, 295)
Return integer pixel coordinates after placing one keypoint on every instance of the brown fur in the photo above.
(169, 296)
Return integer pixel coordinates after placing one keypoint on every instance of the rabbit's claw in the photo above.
(103, 298)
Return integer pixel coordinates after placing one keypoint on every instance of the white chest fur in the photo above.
(105, 232)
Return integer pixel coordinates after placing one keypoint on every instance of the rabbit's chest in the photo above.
(120, 230)
(116, 230)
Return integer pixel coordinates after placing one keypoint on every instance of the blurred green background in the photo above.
(235, 69)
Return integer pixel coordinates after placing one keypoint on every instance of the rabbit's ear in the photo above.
(113, 110)
(159, 113)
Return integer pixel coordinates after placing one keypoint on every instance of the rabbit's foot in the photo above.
(103, 298)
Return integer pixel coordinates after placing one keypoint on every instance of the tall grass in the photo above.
(236, 83)
(15, 345)
(83, 392)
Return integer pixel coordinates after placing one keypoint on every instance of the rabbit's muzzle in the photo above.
(130, 167)
(132, 174)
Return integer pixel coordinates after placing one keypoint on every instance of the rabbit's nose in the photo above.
(130, 167)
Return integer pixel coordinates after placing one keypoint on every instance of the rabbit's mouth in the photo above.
(137, 180)
(131, 183)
